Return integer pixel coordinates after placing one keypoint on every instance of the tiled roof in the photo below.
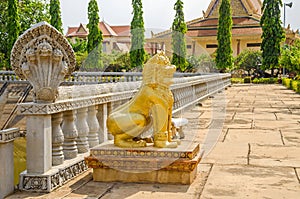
(235, 32)
(248, 6)
(71, 30)
(107, 30)
(121, 30)
(214, 22)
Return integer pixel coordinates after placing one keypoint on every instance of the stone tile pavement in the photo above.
(251, 138)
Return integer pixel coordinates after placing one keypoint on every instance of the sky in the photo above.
(158, 14)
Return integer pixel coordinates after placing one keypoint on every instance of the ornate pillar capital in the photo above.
(44, 57)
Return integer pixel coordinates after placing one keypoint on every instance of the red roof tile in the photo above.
(214, 22)
(122, 30)
(213, 32)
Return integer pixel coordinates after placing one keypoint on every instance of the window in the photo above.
(211, 46)
(253, 44)
(188, 46)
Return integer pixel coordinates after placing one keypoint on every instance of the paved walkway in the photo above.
(252, 147)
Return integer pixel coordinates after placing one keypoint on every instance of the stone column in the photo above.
(7, 160)
(93, 126)
(70, 135)
(102, 117)
(83, 130)
(57, 139)
(39, 144)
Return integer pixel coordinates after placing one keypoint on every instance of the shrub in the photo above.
(247, 80)
(295, 85)
(286, 82)
(265, 80)
(237, 80)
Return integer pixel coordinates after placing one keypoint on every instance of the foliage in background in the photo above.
(13, 24)
(200, 64)
(137, 30)
(79, 47)
(179, 29)
(265, 80)
(224, 58)
(94, 43)
(290, 57)
(30, 12)
(272, 35)
(291, 84)
(248, 60)
(55, 15)
(117, 62)
(254, 81)
(3, 34)
(112, 62)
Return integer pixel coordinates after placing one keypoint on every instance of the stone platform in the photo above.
(149, 164)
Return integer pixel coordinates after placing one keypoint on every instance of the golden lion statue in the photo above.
(152, 105)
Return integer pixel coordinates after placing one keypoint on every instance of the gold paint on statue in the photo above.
(152, 105)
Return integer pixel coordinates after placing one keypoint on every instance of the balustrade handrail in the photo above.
(83, 102)
(93, 77)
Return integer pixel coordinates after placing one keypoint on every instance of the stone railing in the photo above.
(91, 77)
(77, 122)
(64, 122)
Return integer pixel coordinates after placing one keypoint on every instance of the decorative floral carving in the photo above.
(44, 57)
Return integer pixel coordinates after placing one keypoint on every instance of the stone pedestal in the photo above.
(7, 137)
(39, 144)
(150, 164)
(53, 178)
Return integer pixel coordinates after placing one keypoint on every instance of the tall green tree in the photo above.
(272, 35)
(32, 12)
(179, 29)
(13, 23)
(137, 52)
(3, 34)
(94, 43)
(224, 58)
(55, 15)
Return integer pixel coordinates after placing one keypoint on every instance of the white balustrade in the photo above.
(70, 135)
(93, 125)
(57, 139)
(83, 130)
(63, 122)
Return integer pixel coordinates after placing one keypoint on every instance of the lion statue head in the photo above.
(159, 70)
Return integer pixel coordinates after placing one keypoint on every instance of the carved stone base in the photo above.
(175, 166)
(54, 178)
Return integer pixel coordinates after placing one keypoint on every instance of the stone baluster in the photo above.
(83, 130)
(93, 126)
(70, 135)
(102, 117)
(57, 139)
(109, 110)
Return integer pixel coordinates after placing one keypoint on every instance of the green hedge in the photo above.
(237, 80)
(291, 84)
(247, 80)
(265, 80)
(255, 81)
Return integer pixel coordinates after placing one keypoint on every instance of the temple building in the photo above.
(114, 37)
(201, 36)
